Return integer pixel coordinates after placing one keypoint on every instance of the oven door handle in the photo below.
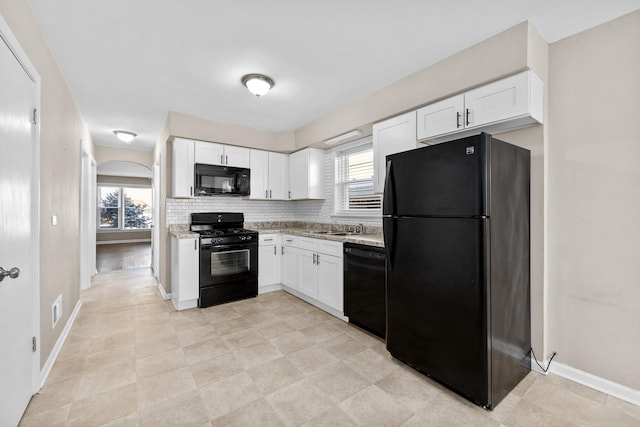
(218, 248)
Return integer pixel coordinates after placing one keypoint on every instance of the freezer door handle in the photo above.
(388, 225)
(388, 201)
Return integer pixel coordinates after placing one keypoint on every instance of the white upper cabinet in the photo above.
(306, 169)
(211, 153)
(389, 137)
(269, 175)
(507, 104)
(182, 168)
(441, 117)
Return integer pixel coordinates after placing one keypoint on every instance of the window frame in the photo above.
(121, 218)
(340, 210)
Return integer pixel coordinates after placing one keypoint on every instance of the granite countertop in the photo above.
(371, 236)
(362, 239)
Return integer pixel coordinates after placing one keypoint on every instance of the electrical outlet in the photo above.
(56, 311)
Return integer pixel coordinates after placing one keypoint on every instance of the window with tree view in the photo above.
(124, 208)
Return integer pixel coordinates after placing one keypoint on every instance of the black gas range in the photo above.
(228, 257)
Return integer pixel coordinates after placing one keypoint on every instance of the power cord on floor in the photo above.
(537, 363)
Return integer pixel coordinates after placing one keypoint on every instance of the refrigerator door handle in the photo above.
(388, 225)
(388, 201)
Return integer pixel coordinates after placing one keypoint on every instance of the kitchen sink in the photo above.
(321, 232)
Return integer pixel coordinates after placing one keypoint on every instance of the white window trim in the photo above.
(118, 230)
(351, 214)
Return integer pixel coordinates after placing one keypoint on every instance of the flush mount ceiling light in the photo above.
(258, 84)
(343, 137)
(124, 135)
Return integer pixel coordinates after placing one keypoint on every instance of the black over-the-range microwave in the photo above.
(213, 180)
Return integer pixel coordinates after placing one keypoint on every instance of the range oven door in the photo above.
(224, 264)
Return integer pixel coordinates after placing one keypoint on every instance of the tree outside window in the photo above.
(124, 208)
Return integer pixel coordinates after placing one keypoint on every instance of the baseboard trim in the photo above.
(113, 242)
(165, 295)
(269, 288)
(611, 388)
(315, 302)
(55, 352)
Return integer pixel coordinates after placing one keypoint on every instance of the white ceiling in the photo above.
(129, 62)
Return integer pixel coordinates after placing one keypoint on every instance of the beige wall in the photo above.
(108, 154)
(160, 156)
(61, 131)
(593, 152)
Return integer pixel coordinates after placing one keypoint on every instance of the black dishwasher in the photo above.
(364, 287)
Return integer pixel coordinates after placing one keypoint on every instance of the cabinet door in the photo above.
(236, 156)
(259, 174)
(189, 258)
(330, 281)
(209, 153)
(278, 176)
(182, 168)
(268, 265)
(290, 266)
(298, 175)
(497, 101)
(389, 137)
(307, 273)
(441, 117)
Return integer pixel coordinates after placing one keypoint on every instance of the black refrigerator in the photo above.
(456, 231)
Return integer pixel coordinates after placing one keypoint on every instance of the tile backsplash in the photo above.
(179, 210)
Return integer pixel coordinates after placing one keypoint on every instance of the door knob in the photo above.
(13, 273)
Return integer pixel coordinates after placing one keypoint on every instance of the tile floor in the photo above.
(274, 360)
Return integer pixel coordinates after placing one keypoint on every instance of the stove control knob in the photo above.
(249, 237)
(242, 238)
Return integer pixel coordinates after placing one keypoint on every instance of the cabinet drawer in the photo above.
(267, 239)
(330, 248)
(308, 243)
(289, 240)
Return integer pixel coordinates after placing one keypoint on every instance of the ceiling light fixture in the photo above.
(258, 84)
(343, 137)
(125, 136)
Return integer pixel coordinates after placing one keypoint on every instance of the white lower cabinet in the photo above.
(330, 281)
(307, 273)
(185, 289)
(289, 270)
(320, 274)
(269, 261)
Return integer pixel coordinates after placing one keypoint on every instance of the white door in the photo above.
(209, 153)
(307, 273)
(389, 137)
(290, 267)
(236, 156)
(299, 175)
(259, 174)
(267, 265)
(155, 232)
(441, 117)
(17, 138)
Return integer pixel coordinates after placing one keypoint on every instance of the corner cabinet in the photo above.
(182, 168)
(185, 289)
(306, 174)
(269, 175)
(389, 137)
(504, 105)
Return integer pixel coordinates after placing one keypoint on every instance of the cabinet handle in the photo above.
(195, 245)
(281, 250)
(221, 159)
(266, 194)
(457, 119)
(314, 258)
(270, 196)
(289, 240)
(274, 251)
(467, 119)
(191, 191)
(226, 160)
(289, 194)
(268, 240)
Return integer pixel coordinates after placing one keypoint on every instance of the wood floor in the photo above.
(122, 256)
